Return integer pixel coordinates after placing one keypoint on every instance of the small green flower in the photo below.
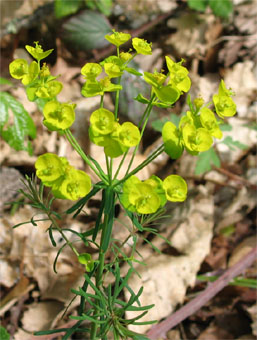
(178, 75)
(49, 168)
(140, 197)
(58, 116)
(142, 46)
(224, 104)
(125, 56)
(173, 142)
(198, 102)
(118, 38)
(37, 51)
(19, 69)
(157, 185)
(129, 134)
(91, 71)
(155, 79)
(49, 89)
(75, 184)
(87, 260)
(112, 70)
(175, 188)
(102, 121)
(209, 122)
(196, 140)
(96, 88)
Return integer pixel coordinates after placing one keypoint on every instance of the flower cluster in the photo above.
(66, 181)
(40, 84)
(113, 66)
(107, 132)
(197, 129)
(146, 197)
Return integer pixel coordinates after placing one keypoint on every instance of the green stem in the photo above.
(117, 101)
(149, 159)
(149, 107)
(102, 102)
(144, 119)
(101, 259)
(77, 147)
(120, 165)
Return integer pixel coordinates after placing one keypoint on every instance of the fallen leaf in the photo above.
(241, 250)
(40, 316)
(166, 278)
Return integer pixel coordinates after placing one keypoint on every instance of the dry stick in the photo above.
(214, 288)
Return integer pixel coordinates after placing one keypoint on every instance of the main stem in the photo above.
(101, 259)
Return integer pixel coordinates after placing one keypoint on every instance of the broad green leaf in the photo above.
(23, 126)
(86, 30)
(4, 81)
(221, 8)
(199, 5)
(62, 8)
(206, 160)
(232, 144)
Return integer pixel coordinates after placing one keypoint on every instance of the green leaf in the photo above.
(199, 5)
(62, 8)
(4, 81)
(23, 126)
(252, 126)
(141, 99)
(4, 335)
(86, 30)
(157, 124)
(233, 144)
(221, 8)
(225, 127)
(206, 160)
(133, 71)
(104, 6)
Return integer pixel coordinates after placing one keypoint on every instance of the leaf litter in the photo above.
(192, 229)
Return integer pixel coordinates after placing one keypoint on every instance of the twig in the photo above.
(213, 289)
(236, 178)
(101, 54)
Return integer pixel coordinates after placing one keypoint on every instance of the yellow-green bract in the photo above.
(58, 116)
(118, 38)
(37, 51)
(115, 138)
(224, 104)
(178, 75)
(20, 69)
(146, 197)
(142, 46)
(65, 180)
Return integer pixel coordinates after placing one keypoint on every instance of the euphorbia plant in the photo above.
(104, 314)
